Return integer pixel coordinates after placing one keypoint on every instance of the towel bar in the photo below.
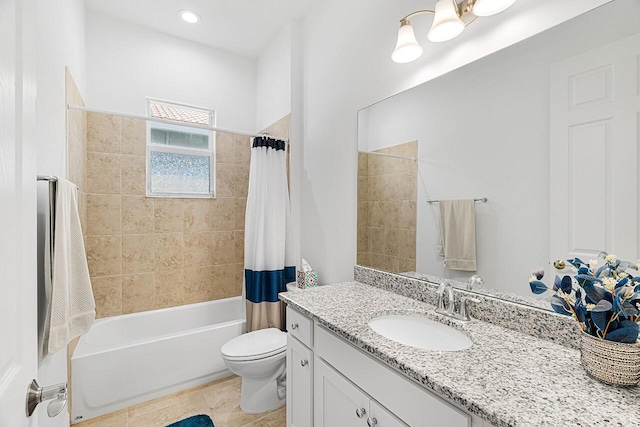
(481, 200)
(52, 206)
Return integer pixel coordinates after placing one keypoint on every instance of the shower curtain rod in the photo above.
(174, 122)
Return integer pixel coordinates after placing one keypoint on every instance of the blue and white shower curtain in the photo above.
(268, 259)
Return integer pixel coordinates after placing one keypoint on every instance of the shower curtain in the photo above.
(268, 259)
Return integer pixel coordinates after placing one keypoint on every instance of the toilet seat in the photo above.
(255, 345)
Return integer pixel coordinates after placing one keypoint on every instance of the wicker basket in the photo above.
(610, 362)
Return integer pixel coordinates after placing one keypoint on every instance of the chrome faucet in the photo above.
(449, 310)
(440, 305)
(474, 280)
(463, 314)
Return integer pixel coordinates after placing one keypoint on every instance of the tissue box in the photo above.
(307, 279)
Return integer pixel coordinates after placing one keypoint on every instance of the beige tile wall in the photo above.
(146, 253)
(387, 189)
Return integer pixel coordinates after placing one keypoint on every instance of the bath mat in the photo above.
(195, 421)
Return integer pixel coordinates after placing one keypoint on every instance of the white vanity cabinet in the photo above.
(300, 367)
(337, 402)
(331, 383)
(401, 397)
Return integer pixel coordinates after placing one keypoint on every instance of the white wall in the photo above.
(483, 131)
(347, 66)
(61, 42)
(296, 133)
(273, 80)
(279, 91)
(126, 63)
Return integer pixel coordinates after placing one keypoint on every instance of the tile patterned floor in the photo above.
(220, 400)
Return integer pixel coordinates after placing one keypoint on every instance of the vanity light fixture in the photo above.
(450, 19)
(189, 16)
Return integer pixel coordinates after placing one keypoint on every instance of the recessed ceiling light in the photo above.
(189, 16)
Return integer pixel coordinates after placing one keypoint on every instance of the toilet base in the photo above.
(261, 394)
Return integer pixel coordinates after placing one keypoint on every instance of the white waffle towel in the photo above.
(71, 307)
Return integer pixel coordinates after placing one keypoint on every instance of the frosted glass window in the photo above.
(179, 173)
(180, 157)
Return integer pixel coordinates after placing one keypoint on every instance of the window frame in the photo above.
(175, 149)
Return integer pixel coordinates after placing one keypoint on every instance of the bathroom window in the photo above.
(180, 157)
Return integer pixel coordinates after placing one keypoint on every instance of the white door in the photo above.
(337, 402)
(299, 384)
(18, 324)
(595, 110)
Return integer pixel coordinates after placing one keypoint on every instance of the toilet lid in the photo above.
(256, 345)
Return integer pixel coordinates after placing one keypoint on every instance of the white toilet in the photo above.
(259, 357)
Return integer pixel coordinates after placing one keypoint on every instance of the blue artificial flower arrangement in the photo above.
(605, 302)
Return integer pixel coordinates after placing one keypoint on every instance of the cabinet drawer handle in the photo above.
(361, 412)
(304, 363)
(372, 422)
(294, 326)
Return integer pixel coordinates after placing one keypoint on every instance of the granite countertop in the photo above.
(506, 377)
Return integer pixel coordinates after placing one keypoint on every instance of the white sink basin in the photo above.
(420, 332)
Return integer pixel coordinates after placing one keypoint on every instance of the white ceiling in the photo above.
(244, 27)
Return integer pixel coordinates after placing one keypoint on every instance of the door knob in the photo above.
(56, 406)
(361, 412)
(304, 363)
(36, 394)
(371, 422)
(294, 326)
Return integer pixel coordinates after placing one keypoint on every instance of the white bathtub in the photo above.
(128, 359)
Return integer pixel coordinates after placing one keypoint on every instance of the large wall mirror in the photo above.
(546, 130)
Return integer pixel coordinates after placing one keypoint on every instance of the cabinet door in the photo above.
(299, 384)
(380, 417)
(337, 401)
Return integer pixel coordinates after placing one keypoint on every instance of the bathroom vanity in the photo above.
(333, 383)
(342, 373)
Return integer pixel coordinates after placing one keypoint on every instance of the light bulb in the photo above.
(189, 16)
(490, 7)
(446, 22)
(407, 48)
